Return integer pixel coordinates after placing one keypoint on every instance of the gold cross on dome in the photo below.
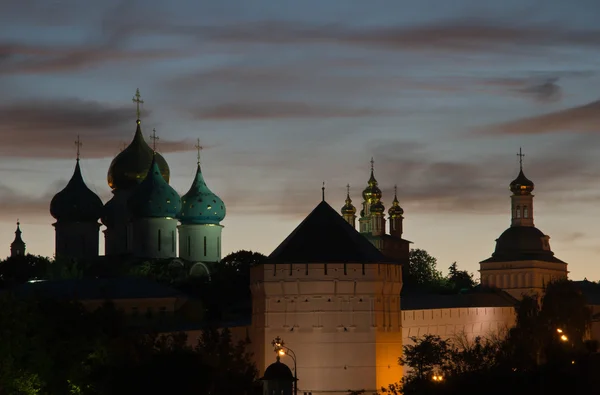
(520, 155)
(198, 148)
(137, 100)
(78, 143)
(372, 163)
(154, 139)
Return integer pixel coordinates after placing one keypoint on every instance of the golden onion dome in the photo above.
(395, 211)
(377, 208)
(131, 166)
(372, 191)
(348, 208)
(521, 185)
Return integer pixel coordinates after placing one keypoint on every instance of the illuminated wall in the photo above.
(342, 321)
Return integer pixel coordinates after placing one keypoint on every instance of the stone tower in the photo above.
(335, 299)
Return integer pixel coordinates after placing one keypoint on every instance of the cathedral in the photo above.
(146, 218)
(332, 289)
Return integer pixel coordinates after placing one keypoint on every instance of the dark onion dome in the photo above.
(154, 197)
(372, 191)
(395, 211)
(76, 203)
(278, 371)
(115, 208)
(348, 208)
(130, 167)
(200, 205)
(521, 185)
(522, 243)
(377, 208)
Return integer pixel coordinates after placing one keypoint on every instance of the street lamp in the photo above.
(281, 349)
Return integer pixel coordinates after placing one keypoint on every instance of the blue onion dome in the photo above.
(200, 205)
(348, 208)
(76, 202)
(130, 167)
(395, 211)
(154, 197)
(521, 185)
(377, 208)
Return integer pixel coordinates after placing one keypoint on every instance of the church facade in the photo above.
(146, 218)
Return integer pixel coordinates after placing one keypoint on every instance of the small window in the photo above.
(525, 212)
(159, 240)
(518, 212)
(189, 245)
(204, 245)
(172, 241)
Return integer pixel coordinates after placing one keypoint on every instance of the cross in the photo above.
(78, 143)
(372, 163)
(323, 189)
(199, 148)
(520, 155)
(348, 189)
(137, 100)
(154, 139)
(395, 190)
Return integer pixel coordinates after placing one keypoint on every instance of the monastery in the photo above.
(332, 289)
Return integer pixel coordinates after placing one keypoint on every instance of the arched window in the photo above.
(525, 212)
(159, 240)
(204, 245)
(189, 245)
(518, 212)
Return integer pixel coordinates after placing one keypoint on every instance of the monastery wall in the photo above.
(449, 323)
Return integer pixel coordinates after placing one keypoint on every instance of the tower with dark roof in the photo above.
(335, 299)
(522, 262)
(77, 210)
(17, 247)
(201, 215)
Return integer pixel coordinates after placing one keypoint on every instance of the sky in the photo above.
(284, 95)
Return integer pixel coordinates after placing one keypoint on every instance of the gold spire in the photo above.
(395, 211)
(137, 100)
(154, 139)
(78, 143)
(199, 148)
(520, 155)
(323, 191)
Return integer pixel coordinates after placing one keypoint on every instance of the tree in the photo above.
(422, 271)
(23, 268)
(459, 280)
(240, 262)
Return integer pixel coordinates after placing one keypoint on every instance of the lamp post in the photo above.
(280, 348)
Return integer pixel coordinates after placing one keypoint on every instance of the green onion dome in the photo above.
(154, 197)
(130, 167)
(76, 202)
(200, 205)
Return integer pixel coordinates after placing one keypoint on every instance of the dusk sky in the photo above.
(287, 94)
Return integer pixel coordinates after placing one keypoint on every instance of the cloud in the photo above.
(279, 110)
(585, 118)
(18, 58)
(18, 205)
(459, 35)
(48, 129)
